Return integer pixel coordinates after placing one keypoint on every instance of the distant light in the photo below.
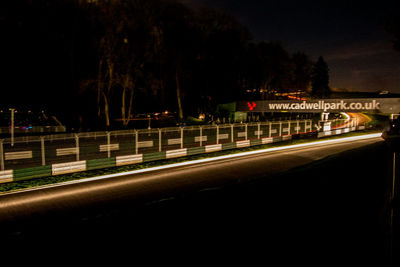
(296, 97)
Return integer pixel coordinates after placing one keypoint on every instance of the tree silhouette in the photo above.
(301, 78)
(116, 59)
(221, 57)
(320, 79)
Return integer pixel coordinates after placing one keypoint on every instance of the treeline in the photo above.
(104, 61)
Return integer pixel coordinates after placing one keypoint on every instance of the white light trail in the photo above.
(346, 115)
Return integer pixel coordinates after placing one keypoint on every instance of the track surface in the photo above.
(137, 187)
(280, 217)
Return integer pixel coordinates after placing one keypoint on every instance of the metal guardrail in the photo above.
(38, 156)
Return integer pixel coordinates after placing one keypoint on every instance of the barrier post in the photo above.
(136, 141)
(77, 146)
(42, 148)
(12, 126)
(181, 137)
(217, 137)
(1, 155)
(201, 135)
(270, 129)
(159, 140)
(108, 145)
(232, 134)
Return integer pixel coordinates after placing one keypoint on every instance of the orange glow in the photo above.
(296, 97)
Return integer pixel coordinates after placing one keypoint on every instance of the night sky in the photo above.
(350, 35)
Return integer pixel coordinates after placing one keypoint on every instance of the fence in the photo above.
(32, 157)
(33, 129)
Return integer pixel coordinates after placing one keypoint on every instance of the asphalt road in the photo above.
(210, 207)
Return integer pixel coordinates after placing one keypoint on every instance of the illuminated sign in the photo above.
(381, 105)
(251, 105)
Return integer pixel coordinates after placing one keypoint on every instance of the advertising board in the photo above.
(378, 105)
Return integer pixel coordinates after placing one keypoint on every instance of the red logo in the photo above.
(251, 105)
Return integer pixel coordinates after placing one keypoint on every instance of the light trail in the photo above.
(346, 115)
(194, 162)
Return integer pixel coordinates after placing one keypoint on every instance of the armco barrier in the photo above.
(35, 157)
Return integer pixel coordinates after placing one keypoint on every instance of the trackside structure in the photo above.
(32, 157)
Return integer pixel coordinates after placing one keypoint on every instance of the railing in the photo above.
(38, 156)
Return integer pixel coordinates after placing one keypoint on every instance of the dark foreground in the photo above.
(332, 212)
